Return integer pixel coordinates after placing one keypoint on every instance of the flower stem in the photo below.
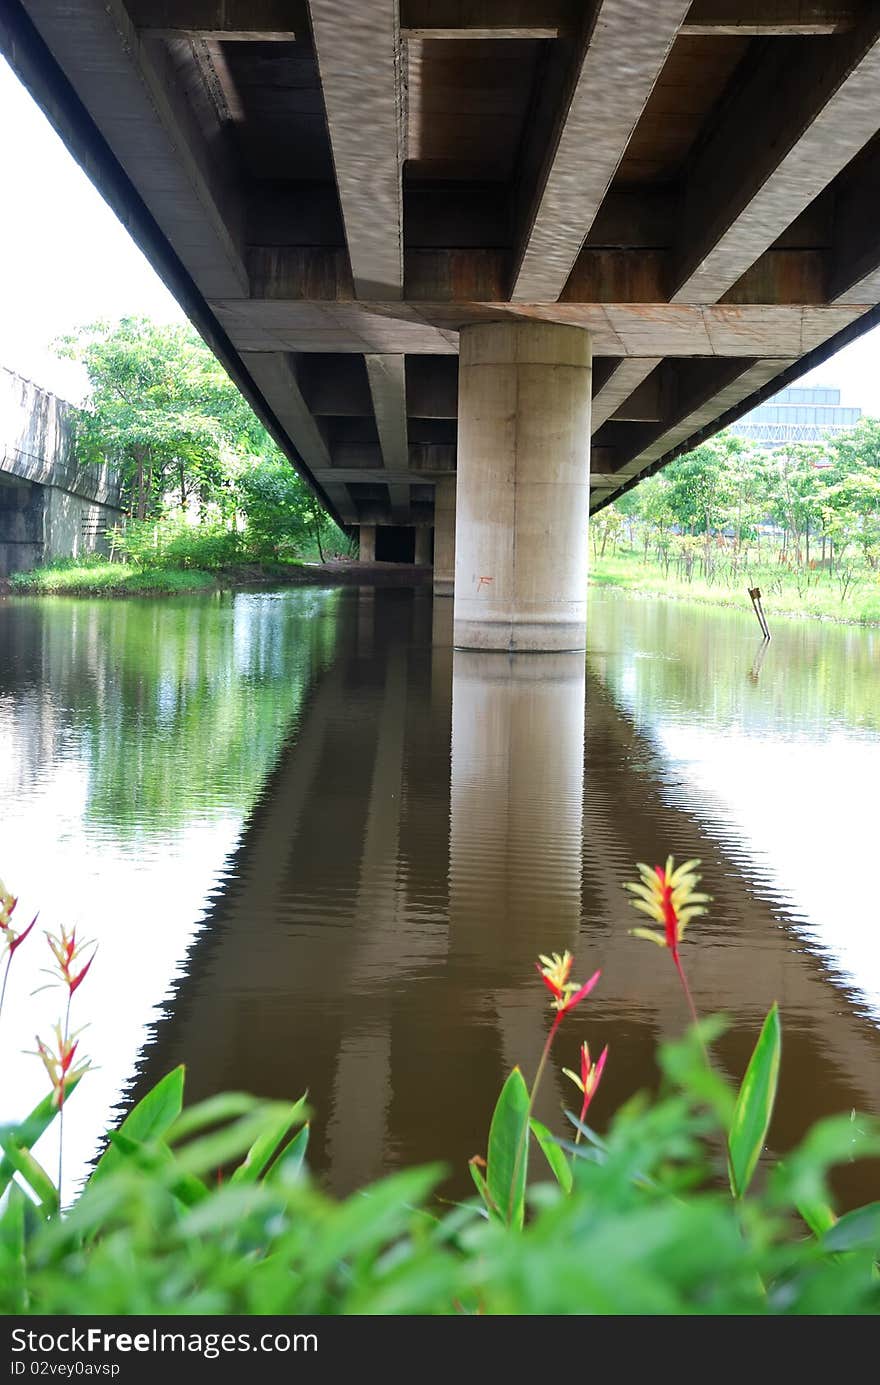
(691, 1006)
(5, 979)
(61, 1106)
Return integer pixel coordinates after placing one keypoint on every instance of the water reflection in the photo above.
(134, 737)
(344, 843)
(516, 832)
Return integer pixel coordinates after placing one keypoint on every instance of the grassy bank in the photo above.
(100, 578)
(784, 593)
(110, 579)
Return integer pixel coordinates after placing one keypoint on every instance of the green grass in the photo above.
(110, 579)
(820, 601)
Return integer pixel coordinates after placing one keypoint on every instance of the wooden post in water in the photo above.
(755, 594)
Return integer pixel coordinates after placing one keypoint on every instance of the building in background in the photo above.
(802, 413)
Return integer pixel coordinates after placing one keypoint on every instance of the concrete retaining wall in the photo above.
(51, 504)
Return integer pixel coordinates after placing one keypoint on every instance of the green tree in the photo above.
(159, 411)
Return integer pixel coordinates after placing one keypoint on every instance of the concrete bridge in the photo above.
(51, 504)
(482, 264)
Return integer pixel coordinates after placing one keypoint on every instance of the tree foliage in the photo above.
(166, 415)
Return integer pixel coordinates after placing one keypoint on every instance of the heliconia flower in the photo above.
(67, 953)
(555, 971)
(60, 1065)
(7, 906)
(669, 895)
(8, 936)
(590, 1077)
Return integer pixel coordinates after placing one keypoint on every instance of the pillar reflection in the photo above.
(516, 836)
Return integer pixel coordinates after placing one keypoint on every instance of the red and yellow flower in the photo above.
(8, 936)
(59, 1063)
(668, 894)
(68, 954)
(555, 972)
(590, 1076)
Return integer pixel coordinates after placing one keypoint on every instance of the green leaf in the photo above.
(268, 1144)
(754, 1104)
(856, 1230)
(508, 1151)
(818, 1215)
(481, 1185)
(14, 1290)
(288, 1166)
(214, 1110)
(28, 1131)
(33, 1174)
(146, 1123)
(554, 1155)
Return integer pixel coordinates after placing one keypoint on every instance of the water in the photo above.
(319, 849)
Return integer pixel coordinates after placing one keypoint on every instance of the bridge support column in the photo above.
(444, 536)
(523, 485)
(423, 547)
(367, 543)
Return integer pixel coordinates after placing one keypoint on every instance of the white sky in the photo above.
(65, 261)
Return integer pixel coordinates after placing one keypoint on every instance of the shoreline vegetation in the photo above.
(627, 572)
(121, 580)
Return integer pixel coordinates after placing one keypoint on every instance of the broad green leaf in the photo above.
(554, 1155)
(858, 1230)
(508, 1151)
(268, 1144)
(28, 1131)
(151, 1158)
(218, 1148)
(288, 1166)
(214, 1110)
(12, 1253)
(754, 1105)
(147, 1122)
(33, 1174)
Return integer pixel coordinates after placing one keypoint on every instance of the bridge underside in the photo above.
(336, 192)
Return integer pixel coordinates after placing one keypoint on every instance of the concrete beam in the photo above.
(477, 275)
(238, 20)
(387, 377)
(359, 59)
(854, 275)
(152, 132)
(792, 124)
(275, 376)
(705, 391)
(626, 377)
(366, 459)
(621, 54)
(616, 329)
(487, 19)
(769, 18)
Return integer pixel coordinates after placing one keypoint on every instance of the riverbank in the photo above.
(125, 579)
(821, 600)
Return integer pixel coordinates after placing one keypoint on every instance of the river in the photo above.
(320, 849)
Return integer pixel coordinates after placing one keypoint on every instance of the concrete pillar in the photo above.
(444, 536)
(516, 834)
(367, 541)
(523, 482)
(423, 546)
